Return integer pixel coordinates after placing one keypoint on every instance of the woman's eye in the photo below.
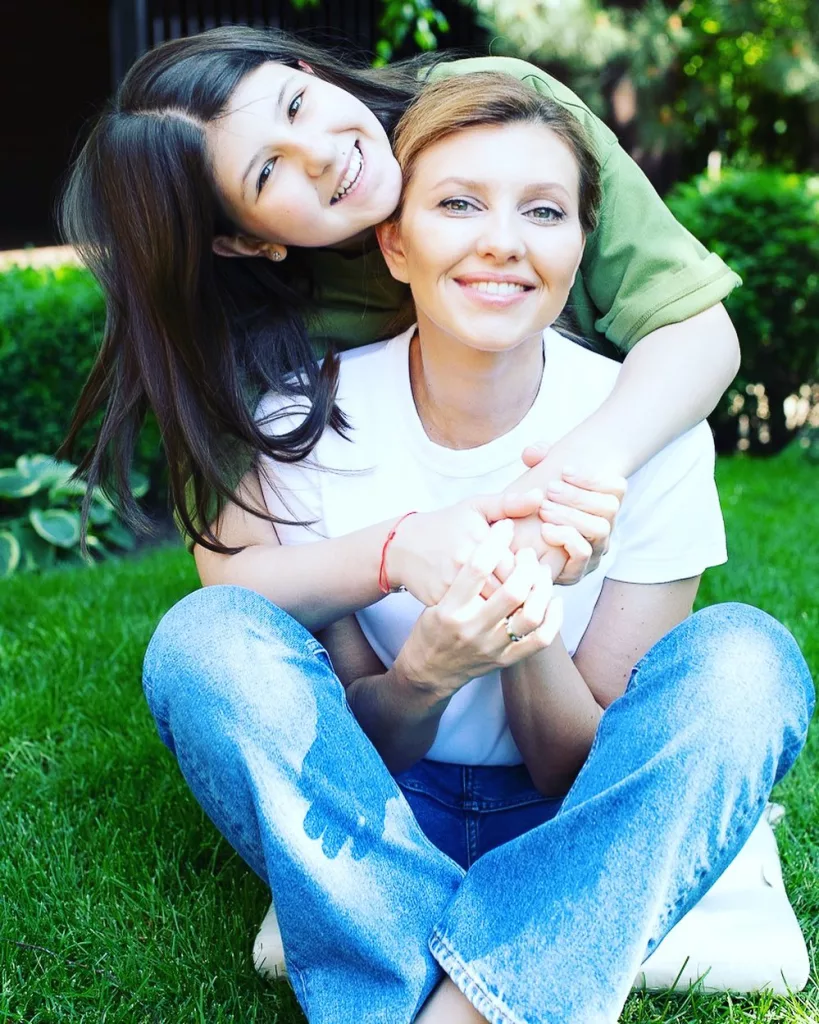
(547, 213)
(457, 205)
(267, 170)
(295, 105)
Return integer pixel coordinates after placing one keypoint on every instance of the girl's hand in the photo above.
(466, 635)
(587, 503)
(430, 548)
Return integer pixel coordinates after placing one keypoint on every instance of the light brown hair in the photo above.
(494, 98)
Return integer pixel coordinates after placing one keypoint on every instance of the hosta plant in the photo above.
(40, 517)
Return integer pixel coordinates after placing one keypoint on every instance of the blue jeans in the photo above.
(539, 910)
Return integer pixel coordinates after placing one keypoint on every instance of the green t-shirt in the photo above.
(641, 269)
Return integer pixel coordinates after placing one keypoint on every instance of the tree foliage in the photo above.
(740, 75)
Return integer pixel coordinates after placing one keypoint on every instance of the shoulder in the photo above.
(364, 373)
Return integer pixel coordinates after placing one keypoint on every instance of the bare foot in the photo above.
(447, 1005)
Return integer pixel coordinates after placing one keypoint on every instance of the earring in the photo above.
(277, 255)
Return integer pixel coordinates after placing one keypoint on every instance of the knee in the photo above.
(745, 670)
(215, 639)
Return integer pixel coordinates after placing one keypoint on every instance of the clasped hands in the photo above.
(567, 526)
(485, 567)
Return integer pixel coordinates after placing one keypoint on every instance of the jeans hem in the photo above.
(473, 988)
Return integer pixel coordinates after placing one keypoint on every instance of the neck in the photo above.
(466, 397)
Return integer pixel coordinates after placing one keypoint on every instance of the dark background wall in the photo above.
(55, 71)
(59, 61)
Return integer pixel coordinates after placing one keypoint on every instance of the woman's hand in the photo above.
(430, 548)
(466, 635)
(588, 504)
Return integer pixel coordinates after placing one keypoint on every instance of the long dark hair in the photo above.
(192, 336)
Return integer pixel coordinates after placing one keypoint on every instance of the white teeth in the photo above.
(351, 177)
(497, 287)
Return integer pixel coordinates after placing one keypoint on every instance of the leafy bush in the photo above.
(40, 519)
(51, 324)
(764, 224)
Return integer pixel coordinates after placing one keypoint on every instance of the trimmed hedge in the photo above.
(51, 324)
(765, 225)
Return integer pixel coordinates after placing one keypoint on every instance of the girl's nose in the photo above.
(318, 153)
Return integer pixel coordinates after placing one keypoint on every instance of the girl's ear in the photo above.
(305, 67)
(246, 245)
(389, 238)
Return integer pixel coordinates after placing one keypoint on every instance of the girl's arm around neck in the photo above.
(670, 381)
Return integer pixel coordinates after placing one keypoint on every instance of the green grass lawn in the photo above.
(118, 899)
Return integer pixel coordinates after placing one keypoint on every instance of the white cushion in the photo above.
(742, 936)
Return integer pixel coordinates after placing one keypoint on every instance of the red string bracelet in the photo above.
(383, 582)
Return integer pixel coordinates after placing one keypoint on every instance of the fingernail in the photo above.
(556, 487)
(569, 471)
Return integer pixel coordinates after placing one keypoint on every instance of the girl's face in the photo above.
(301, 162)
(489, 238)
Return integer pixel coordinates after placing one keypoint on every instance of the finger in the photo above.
(531, 614)
(534, 454)
(595, 529)
(552, 622)
(597, 503)
(518, 506)
(514, 592)
(539, 638)
(515, 505)
(607, 483)
(577, 548)
(480, 565)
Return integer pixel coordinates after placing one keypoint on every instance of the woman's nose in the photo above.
(500, 239)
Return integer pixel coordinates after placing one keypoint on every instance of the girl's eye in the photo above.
(267, 170)
(547, 213)
(292, 110)
(295, 105)
(457, 205)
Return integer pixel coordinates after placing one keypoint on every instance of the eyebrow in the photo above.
(476, 186)
(262, 149)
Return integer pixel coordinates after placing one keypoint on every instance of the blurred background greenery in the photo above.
(716, 100)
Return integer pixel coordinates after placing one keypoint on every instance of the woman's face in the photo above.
(489, 238)
(301, 162)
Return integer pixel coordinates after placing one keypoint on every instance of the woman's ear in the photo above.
(579, 261)
(389, 238)
(305, 67)
(246, 245)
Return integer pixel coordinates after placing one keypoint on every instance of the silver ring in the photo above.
(512, 636)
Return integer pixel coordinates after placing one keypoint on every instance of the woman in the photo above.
(250, 144)
(528, 792)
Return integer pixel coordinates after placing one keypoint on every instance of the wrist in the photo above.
(391, 576)
(421, 680)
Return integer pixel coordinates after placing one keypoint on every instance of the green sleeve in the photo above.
(641, 269)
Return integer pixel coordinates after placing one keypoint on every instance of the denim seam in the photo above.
(474, 989)
(481, 806)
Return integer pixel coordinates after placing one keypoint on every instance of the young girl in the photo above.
(529, 791)
(227, 203)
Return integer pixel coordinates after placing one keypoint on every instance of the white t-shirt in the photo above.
(669, 526)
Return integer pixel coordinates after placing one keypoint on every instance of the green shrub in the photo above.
(40, 518)
(51, 324)
(765, 225)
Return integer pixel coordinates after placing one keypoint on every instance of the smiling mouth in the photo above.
(352, 176)
(494, 293)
